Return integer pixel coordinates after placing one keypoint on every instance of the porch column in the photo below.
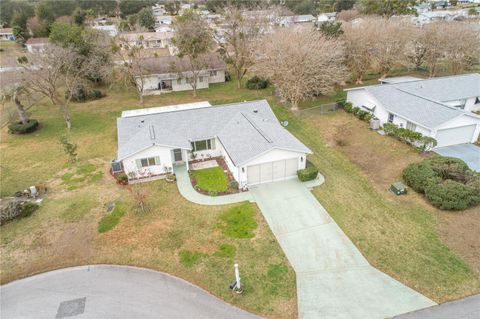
(186, 159)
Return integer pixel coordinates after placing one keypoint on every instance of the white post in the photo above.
(237, 277)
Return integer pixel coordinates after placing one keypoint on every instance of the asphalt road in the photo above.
(466, 308)
(104, 291)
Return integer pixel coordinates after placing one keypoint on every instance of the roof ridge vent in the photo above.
(152, 132)
(262, 133)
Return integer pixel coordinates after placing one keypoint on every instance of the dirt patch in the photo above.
(382, 159)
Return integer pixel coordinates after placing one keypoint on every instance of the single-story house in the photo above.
(111, 30)
(35, 45)
(438, 107)
(147, 39)
(171, 73)
(255, 146)
(6, 34)
(296, 19)
(327, 16)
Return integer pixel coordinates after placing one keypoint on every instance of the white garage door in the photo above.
(272, 171)
(456, 135)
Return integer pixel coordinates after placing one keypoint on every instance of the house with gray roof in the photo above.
(248, 136)
(172, 73)
(441, 108)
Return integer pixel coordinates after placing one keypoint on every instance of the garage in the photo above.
(272, 171)
(455, 135)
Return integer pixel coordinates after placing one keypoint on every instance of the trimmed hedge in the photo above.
(416, 139)
(256, 83)
(309, 173)
(20, 128)
(358, 112)
(448, 183)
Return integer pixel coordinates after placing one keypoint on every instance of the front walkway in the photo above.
(109, 291)
(334, 280)
(186, 190)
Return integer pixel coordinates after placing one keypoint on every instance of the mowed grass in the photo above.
(399, 238)
(72, 227)
(238, 221)
(211, 179)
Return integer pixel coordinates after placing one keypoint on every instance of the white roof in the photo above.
(169, 108)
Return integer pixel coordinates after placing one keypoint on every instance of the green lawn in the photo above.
(400, 239)
(211, 179)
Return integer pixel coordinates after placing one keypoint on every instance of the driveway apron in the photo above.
(334, 280)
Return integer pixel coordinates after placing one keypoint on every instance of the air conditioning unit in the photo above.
(375, 124)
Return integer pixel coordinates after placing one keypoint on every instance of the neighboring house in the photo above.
(147, 39)
(298, 19)
(110, 29)
(256, 147)
(163, 20)
(171, 73)
(6, 34)
(328, 16)
(438, 107)
(36, 45)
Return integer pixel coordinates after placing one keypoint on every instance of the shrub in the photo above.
(416, 139)
(82, 94)
(122, 177)
(348, 107)
(451, 195)
(419, 175)
(20, 128)
(447, 182)
(355, 110)
(256, 83)
(309, 173)
(11, 209)
(234, 184)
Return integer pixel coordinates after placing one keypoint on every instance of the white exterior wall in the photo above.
(461, 121)
(130, 165)
(219, 78)
(217, 151)
(271, 156)
(228, 161)
(185, 86)
(471, 106)
(362, 97)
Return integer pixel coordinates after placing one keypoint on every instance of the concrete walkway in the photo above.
(105, 291)
(186, 190)
(469, 153)
(334, 280)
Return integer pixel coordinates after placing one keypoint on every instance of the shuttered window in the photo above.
(149, 161)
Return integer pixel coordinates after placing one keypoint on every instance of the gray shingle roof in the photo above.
(446, 88)
(246, 130)
(422, 101)
(419, 110)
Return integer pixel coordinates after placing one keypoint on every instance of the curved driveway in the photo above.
(104, 291)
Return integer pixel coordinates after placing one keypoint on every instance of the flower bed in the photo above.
(214, 181)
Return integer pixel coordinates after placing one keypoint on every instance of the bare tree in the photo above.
(14, 93)
(193, 38)
(300, 63)
(134, 71)
(391, 38)
(359, 48)
(434, 40)
(55, 74)
(237, 40)
(415, 50)
(462, 46)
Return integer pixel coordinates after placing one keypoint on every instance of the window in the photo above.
(200, 79)
(213, 73)
(477, 100)
(203, 145)
(390, 117)
(411, 126)
(179, 81)
(149, 161)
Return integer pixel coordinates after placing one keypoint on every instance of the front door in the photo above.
(177, 155)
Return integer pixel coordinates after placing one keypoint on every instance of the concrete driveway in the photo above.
(469, 153)
(334, 280)
(105, 291)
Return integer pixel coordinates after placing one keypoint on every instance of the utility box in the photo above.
(398, 188)
(374, 124)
